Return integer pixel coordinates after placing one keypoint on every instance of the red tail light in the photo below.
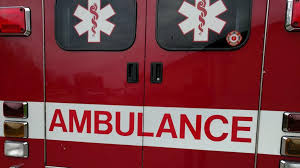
(296, 14)
(15, 109)
(15, 21)
(291, 122)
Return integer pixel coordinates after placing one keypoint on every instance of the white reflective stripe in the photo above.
(269, 136)
(35, 120)
(271, 132)
(153, 119)
(217, 128)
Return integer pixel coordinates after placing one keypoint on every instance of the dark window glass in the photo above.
(203, 24)
(104, 25)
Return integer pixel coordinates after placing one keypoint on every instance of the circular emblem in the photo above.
(234, 38)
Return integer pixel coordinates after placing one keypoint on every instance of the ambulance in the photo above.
(149, 84)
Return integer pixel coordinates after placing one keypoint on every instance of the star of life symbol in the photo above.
(201, 18)
(94, 20)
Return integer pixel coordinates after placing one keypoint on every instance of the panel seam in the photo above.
(44, 83)
(144, 73)
(261, 84)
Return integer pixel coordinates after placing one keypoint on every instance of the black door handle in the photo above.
(132, 72)
(156, 72)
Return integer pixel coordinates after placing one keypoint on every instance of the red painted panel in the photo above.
(21, 62)
(36, 154)
(271, 161)
(281, 89)
(79, 155)
(21, 72)
(181, 158)
(268, 161)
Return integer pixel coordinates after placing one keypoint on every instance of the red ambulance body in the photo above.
(150, 84)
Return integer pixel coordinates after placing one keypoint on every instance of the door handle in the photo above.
(156, 72)
(132, 72)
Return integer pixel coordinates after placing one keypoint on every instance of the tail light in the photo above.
(290, 146)
(291, 122)
(16, 149)
(15, 109)
(289, 164)
(15, 21)
(16, 129)
(293, 15)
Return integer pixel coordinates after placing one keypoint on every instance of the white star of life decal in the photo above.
(94, 20)
(201, 18)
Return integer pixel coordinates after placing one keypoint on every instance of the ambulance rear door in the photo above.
(94, 82)
(202, 78)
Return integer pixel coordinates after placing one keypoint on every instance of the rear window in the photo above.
(203, 24)
(103, 25)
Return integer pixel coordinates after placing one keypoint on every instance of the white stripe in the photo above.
(153, 118)
(35, 120)
(269, 141)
